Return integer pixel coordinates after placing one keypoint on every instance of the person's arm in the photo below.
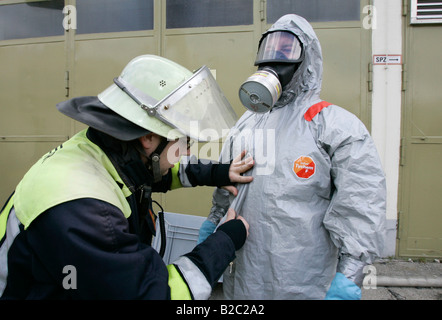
(356, 215)
(221, 196)
(195, 172)
(111, 263)
(220, 205)
(211, 258)
(191, 172)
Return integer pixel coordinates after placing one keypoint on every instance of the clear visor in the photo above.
(198, 108)
(279, 46)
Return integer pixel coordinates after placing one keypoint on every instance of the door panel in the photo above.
(98, 61)
(31, 85)
(31, 89)
(229, 54)
(342, 83)
(420, 232)
(425, 201)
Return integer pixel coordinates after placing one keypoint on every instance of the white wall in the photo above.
(386, 104)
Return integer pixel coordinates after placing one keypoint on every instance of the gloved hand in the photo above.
(342, 288)
(207, 228)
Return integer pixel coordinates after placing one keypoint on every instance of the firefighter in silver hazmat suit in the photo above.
(316, 206)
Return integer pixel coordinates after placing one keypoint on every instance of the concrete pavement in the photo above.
(394, 280)
(404, 280)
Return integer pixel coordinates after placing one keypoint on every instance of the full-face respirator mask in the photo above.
(279, 56)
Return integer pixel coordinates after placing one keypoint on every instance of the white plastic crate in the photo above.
(181, 235)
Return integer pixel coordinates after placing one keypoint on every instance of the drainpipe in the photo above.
(385, 281)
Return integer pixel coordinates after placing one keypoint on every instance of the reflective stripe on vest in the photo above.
(4, 217)
(10, 228)
(178, 287)
(194, 278)
(176, 182)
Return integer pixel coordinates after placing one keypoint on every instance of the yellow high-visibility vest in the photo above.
(76, 169)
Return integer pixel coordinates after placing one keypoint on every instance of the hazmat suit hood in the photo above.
(307, 80)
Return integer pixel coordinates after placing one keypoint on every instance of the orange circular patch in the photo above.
(304, 167)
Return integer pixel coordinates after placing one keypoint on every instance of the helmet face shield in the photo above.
(198, 108)
(279, 46)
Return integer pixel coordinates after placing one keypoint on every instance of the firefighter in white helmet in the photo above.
(87, 204)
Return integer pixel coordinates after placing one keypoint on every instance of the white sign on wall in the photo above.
(384, 59)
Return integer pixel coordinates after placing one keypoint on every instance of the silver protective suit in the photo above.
(317, 202)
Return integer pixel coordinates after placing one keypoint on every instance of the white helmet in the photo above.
(163, 97)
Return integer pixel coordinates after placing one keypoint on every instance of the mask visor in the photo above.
(198, 108)
(279, 46)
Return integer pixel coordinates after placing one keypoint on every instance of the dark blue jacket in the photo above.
(111, 255)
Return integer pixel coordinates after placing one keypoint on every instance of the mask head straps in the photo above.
(153, 160)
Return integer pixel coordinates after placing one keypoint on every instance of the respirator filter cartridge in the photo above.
(260, 91)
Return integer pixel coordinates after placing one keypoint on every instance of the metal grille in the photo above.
(426, 11)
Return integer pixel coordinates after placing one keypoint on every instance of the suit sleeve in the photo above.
(356, 215)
